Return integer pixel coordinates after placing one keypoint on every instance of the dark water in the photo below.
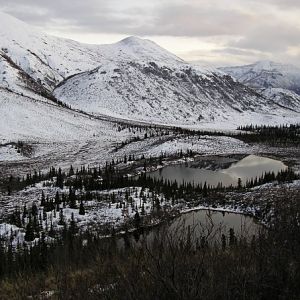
(249, 167)
(203, 223)
(196, 224)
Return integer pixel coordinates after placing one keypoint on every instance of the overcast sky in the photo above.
(218, 32)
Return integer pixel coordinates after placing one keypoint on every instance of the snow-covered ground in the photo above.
(10, 153)
(97, 213)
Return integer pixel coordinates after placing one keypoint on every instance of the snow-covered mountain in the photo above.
(141, 81)
(276, 81)
(133, 79)
(267, 74)
(31, 65)
(164, 91)
(43, 57)
(282, 97)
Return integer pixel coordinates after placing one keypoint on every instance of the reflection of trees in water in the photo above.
(189, 230)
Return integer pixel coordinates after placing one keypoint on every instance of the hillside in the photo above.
(31, 64)
(276, 81)
(267, 74)
(134, 79)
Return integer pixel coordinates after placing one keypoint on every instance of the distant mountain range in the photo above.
(134, 79)
(279, 82)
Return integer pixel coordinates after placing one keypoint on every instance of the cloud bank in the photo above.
(219, 31)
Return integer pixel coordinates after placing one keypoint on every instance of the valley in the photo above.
(127, 144)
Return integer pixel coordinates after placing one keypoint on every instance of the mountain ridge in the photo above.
(134, 79)
(277, 81)
(267, 74)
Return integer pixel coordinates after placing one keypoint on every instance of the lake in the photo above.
(249, 167)
(196, 224)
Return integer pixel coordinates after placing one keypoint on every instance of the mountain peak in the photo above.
(11, 24)
(265, 64)
(267, 74)
(147, 50)
(8, 18)
(137, 42)
(133, 40)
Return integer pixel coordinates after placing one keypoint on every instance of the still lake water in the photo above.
(200, 223)
(249, 167)
(211, 224)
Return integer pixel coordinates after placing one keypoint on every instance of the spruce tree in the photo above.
(137, 220)
(73, 227)
(29, 234)
(43, 199)
(81, 209)
(205, 189)
(61, 218)
(72, 199)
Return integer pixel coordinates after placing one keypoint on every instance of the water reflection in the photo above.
(200, 226)
(249, 167)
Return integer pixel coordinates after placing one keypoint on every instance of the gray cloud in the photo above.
(289, 4)
(87, 16)
(270, 38)
(196, 20)
(163, 18)
(236, 51)
(244, 29)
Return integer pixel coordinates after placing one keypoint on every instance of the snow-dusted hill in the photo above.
(276, 81)
(49, 59)
(283, 97)
(24, 118)
(139, 80)
(45, 58)
(163, 91)
(133, 79)
(31, 65)
(267, 74)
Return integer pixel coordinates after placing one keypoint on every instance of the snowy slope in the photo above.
(25, 118)
(50, 59)
(14, 79)
(43, 57)
(133, 79)
(283, 97)
(267, 74)
(158, 91)
(278, 82)
(31, 64)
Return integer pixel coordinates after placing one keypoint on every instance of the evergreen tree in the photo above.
(73, 227)
(204, 189)
(71, 171)
(61, 218)
(29, 234)
(59, 179)
(34, 210)
(137, 220)
(72, 199)
(239, 183)
(43, 199)
(81, 209)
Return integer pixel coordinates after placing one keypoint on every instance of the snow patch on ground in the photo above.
(10, 153)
